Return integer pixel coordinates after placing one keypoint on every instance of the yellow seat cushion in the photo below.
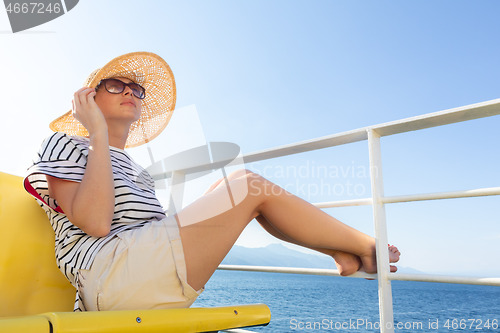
(30, 282)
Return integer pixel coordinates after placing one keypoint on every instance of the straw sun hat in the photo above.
(150, 71)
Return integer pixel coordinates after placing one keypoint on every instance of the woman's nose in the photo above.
(127, 90)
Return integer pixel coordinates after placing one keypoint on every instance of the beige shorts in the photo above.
(142, 268)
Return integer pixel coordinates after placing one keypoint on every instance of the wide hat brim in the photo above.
(150, 71)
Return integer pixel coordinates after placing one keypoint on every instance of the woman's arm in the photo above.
(89, 204)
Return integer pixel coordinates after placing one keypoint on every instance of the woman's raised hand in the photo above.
(86, 111)
(96, 189)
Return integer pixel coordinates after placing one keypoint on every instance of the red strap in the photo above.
(33, 192)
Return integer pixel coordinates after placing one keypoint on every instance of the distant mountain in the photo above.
(276, 255)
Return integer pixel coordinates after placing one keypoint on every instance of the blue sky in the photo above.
(266, 73)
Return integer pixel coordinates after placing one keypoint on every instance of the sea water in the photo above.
(309, 303)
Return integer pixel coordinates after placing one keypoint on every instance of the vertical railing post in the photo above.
(379, 219)
(176, 192)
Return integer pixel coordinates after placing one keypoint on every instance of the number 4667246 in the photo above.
(33, 8)
(456, 324)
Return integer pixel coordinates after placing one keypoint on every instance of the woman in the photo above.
(114, 242)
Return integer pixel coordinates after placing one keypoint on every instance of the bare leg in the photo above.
(207, 242)
(346, 263)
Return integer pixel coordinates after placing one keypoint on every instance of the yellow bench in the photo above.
(36, 297)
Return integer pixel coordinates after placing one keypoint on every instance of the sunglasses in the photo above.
(114, 86)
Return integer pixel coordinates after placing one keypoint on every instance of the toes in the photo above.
(393, 254)
(393, 249)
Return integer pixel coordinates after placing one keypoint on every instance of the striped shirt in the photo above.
(65, 157)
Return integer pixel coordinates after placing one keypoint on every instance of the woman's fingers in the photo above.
(84, 96)
(77, 95)
(86, 110)
(90, 98)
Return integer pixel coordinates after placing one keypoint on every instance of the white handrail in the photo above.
(393, 276)
(479, 192)
(455, 115)
(292, 270)
(344, 203)
(483, 281)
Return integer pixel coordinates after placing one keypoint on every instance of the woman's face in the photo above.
(123, 107)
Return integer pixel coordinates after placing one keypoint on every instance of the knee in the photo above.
(240, 173)
(250, 175)
(256, 184)
(245, 175)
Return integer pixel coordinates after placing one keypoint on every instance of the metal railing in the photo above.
(378, 201)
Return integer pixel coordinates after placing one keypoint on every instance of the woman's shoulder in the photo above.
(61, 138)
(60, 144)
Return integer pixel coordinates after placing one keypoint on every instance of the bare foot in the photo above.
(369, 261)
(347, 263)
